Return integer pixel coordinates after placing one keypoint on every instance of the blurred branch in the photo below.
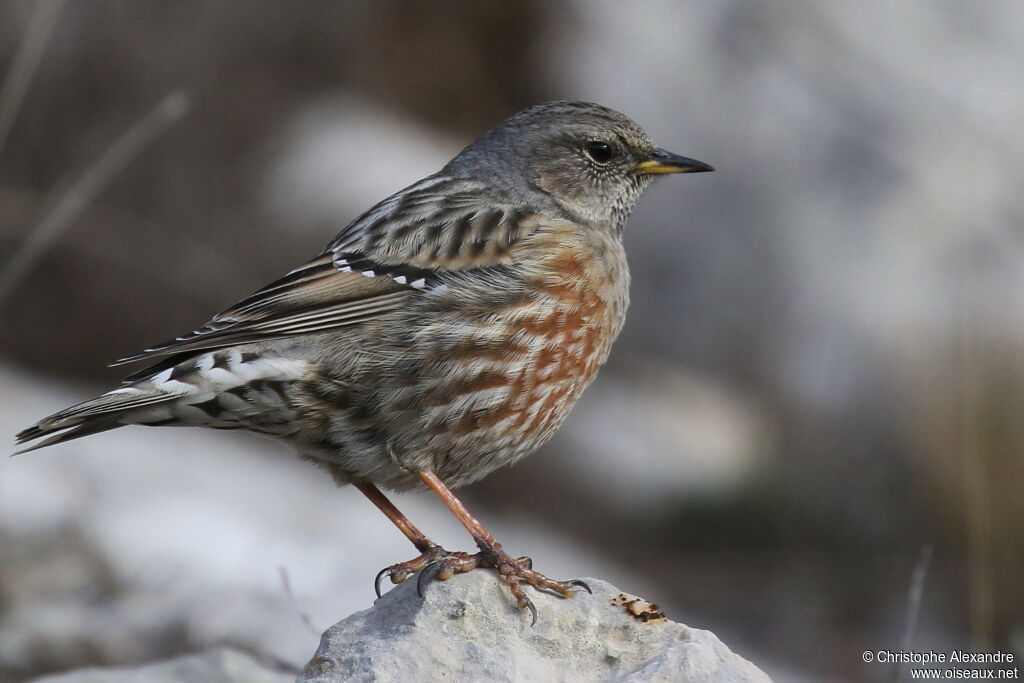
(37, 35)
(914, 603)
(82, 193)
(286, 583)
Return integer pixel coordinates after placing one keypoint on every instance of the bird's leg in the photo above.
(430, 552)
(415, 536)
(513, 571)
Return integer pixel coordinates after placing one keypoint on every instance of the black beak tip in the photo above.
(700, 167)
(684, 164)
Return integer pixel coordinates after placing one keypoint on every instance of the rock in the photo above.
(467, 629)
(215, 666)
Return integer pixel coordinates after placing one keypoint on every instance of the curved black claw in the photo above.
(533, 611)
(577, 583)
(380, 576)
(426, 574)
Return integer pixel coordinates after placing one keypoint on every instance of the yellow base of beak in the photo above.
(657, 168)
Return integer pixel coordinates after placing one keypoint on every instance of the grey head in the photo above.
(592, 161)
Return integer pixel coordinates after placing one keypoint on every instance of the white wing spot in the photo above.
(368, 273)
(204, 363)
(346, 269)
(163, 382)
(419, 284)
(400, 279)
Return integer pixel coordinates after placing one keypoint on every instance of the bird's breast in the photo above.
(513, 374)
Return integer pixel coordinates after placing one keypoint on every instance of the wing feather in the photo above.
(400, 248)
(330, 299)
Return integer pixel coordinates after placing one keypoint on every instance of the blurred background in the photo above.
(818, 396)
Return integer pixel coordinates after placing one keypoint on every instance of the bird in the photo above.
(444, 333)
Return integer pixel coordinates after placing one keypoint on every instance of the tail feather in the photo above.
(90, 426)
(226, 389)
(90, 417)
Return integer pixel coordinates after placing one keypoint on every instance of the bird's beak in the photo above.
(661, 161)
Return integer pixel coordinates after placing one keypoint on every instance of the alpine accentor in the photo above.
(444, 333)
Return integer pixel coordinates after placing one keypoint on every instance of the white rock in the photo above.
(467, 629)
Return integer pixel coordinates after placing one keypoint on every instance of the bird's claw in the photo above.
(380, 576)
(433, 555)
(436, 563)
(425, 575)
(514, 573)
(579, 583)
(444, 569)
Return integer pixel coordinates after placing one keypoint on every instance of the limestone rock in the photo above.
(467, 629)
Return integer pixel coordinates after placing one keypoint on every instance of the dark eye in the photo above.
(601, 152)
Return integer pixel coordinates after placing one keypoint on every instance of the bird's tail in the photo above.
(113, 409)
(226, 389)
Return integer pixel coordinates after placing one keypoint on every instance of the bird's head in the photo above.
(592, 160)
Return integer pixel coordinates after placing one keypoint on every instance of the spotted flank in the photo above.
(224, 389)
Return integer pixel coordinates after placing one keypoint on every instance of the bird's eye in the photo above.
(601, 152)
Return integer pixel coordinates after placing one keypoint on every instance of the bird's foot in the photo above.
(514, 572)
(434, 555)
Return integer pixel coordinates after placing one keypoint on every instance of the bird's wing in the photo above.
(315, 297)
(398, 249)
